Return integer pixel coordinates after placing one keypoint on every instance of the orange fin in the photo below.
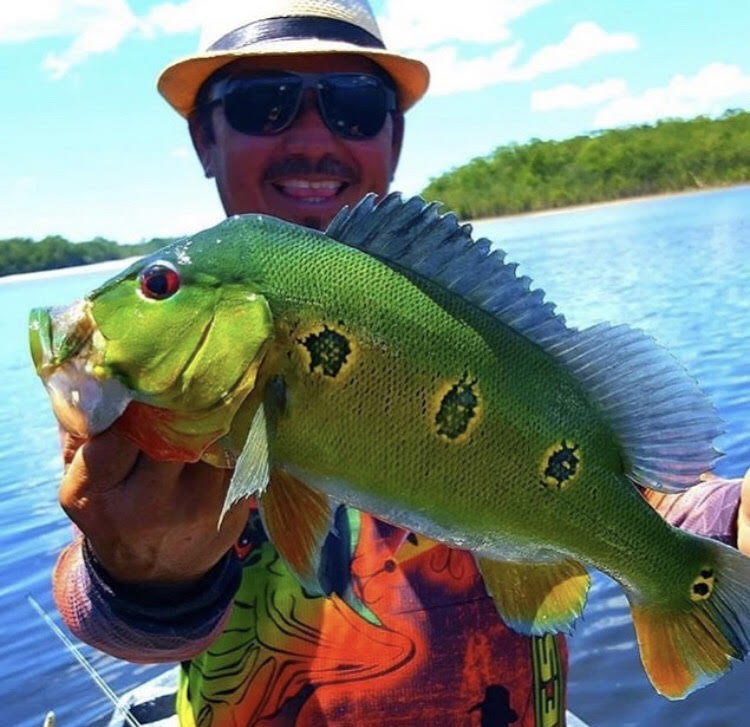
(297, 520)
(692, 641)
(536, 598)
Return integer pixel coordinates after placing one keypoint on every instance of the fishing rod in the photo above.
(121, 710)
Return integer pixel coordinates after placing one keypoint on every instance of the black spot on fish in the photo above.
(561, 465)
(703, 586)
(456, 409)
(701, 589)
(328, 351)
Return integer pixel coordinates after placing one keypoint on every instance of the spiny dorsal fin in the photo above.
(664, 422)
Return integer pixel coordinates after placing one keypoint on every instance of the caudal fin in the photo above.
(688, 644)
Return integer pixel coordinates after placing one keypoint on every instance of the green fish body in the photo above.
(397, 366)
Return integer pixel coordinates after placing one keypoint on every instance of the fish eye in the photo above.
(159, 281)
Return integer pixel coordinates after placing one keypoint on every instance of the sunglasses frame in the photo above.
(316, 81)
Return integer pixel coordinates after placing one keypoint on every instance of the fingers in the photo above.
(147, 520)
(743, 517)
(104, 461)
(95, 467)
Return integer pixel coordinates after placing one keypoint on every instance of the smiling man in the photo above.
(325, 147)
(295, 113)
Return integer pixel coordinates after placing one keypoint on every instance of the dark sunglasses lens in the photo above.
(262, 105)
(354, 106)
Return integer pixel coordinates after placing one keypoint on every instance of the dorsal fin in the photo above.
(664, 422)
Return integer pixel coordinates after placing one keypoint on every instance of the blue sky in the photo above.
(90, 148)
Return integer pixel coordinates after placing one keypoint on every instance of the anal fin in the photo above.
(536, 598)
(297, 520)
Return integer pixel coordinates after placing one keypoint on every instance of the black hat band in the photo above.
(301, 28)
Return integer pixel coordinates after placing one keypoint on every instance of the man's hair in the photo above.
(203, 109)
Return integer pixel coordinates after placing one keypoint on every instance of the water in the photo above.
(676, 267)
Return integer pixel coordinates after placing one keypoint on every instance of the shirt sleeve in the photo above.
(709, 509)
(142, 623)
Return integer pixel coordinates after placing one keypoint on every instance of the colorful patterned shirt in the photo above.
(406, 636)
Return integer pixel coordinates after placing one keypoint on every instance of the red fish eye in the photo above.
(159, 281)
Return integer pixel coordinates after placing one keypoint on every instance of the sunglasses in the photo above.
(352, 105)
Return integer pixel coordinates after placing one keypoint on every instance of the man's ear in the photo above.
(398, 139)
(203, 141)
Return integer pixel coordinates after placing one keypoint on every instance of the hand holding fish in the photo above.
(743, 517)
(147, 521)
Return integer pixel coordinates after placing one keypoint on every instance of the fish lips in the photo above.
(63, 346)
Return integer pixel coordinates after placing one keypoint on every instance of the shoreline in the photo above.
(121, 263)
(101, 267)
(610, 203)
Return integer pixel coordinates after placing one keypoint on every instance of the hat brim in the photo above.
(180, 81)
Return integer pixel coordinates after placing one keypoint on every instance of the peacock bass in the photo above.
(396, 365)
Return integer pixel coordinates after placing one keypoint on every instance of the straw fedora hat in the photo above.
(282, 27)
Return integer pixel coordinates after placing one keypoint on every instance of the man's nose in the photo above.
(308, 133)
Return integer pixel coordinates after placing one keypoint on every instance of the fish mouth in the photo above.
(68, 354)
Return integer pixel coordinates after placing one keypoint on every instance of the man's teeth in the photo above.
(317, 191)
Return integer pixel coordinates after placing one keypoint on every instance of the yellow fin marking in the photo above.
(536, 598)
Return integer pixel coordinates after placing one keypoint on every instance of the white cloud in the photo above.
(568, 96)
(180, 152)
(98, 26)
(22, 21)
(33, 19)
(101, 33)
(710, 91)
(421, 24)
(451, 74)
(584, 41)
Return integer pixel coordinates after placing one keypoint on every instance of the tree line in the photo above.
(669, 156)
(23, 255)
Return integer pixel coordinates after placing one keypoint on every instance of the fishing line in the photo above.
(81, 659)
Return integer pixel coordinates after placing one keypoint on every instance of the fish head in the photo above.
(67, 356)
(168, 350)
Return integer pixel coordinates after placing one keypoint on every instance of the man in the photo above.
(296, 113)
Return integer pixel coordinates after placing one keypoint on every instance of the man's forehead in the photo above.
(313, 62)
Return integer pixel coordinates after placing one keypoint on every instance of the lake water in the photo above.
(677, 267)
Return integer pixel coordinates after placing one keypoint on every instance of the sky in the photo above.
(89, 148)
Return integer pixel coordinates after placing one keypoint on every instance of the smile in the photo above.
(311, 192)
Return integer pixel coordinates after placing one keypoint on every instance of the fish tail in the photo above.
(694, 638)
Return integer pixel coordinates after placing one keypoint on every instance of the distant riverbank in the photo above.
(113, 265)
(614, 202)
(672, 156)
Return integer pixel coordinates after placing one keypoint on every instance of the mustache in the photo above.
(302, 165)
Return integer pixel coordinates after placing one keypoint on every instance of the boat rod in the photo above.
(81, 659)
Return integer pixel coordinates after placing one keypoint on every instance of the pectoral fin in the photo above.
(297, 520)
(251, 472)
(536, 598)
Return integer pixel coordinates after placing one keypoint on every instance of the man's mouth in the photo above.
(310, 191)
